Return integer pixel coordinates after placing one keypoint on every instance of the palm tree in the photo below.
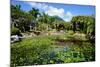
(74, 21)
(35, 13)
(20, 18)
(15, 15)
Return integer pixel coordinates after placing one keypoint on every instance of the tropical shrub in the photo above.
(15, 31)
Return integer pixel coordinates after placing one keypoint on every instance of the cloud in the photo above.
(68, 16)
(55, 11)
(52, 11)
(38, 5)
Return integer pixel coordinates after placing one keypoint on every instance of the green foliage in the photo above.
(42, 27)
(15, 31)
(34, 12)
(83, 23)
(44, 50)
(70, 32)
(61, 47)
(23, 20)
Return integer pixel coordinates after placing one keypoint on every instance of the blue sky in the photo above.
(65, 11)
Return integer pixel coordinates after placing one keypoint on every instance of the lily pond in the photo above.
(52, 49)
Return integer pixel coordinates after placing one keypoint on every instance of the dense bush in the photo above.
(44, 50)
(67, 44)
(15, 31)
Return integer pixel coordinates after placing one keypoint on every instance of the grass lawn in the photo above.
(52, 49)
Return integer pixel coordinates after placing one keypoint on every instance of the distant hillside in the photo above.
(58, 18)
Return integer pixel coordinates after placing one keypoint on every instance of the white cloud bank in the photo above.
(38, 5)
(52, 11)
